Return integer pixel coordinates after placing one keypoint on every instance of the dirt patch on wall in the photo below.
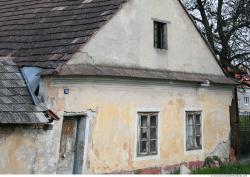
(5, 132)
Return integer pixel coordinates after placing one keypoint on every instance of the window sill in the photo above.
(194, 151)
(147, 157)
(161, 51)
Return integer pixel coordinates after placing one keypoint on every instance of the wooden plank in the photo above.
(67, 146)
(80, 142)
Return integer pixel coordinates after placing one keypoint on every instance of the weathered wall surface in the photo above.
(127, 40)
(113, 130)
(27, 150)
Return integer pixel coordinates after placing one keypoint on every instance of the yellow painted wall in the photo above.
(113, 130)
(27, 150)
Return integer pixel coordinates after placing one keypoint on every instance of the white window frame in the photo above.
(136, 121)
(246, 100)
(196, 151)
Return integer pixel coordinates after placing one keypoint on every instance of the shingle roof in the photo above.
(46, 33)
(16, 104)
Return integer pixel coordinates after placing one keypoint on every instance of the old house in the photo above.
(244, 97)
(244, 100)
(133, 82)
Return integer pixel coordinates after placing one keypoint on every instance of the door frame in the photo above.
(82, 119)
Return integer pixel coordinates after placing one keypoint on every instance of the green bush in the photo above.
(210, 161)
(225, 169)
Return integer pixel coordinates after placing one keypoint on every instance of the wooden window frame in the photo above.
(160, 35)
(148, 139)
(195, 134)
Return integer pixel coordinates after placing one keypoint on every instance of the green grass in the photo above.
(226, 169)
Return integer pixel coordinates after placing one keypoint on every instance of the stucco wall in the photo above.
(28, 150)
(127, 40)
(113, 125)
(112, 133)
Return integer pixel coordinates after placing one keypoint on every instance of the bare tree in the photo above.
(226, 26)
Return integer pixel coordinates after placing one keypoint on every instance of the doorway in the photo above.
(72, 145)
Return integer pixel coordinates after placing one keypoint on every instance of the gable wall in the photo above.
(127, 40)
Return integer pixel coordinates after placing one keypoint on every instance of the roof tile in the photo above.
(46, 33)
(16, 104)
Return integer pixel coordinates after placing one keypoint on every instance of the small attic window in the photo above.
(160, 35)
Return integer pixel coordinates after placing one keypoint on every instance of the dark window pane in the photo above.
(153, 121)
(143, 146)
(144, 121)
(197, 119)
(160, 35)
(190, 143)
(144, 133)
(155, 35)
(153, 146)
(198, 130)
(198, 141)
(153, 134)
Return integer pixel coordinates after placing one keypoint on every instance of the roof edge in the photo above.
(141, 73)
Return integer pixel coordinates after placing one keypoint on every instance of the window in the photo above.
(160, 35)
(147, 134)
(193, 131)
(246, 100)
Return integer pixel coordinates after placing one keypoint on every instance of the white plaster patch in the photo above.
(58, 8)
(53, 56)
(105, 12)
(5, 132)
(75, 40)
(87, 1)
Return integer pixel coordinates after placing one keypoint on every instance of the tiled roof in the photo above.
(16, 104)
(46, 33)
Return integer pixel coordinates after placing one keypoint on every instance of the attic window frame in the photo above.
(160, 29)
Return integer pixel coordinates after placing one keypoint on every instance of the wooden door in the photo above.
(72, 146)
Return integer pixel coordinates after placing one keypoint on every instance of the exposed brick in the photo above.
(232, 155)
(195, 164)
(148, 171)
